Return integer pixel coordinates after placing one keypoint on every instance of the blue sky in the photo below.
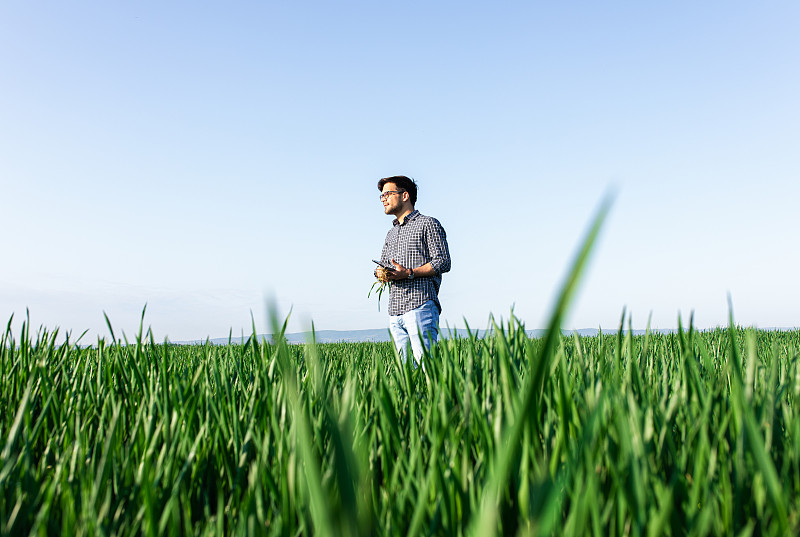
(205, 158)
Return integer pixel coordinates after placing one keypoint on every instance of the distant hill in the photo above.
(382, 334)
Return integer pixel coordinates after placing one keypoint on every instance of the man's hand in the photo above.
(382, 274)
(400, 272)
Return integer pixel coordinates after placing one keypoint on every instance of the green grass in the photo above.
(696, 433)
(692, 433)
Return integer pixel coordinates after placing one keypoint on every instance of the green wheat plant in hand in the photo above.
(380, 285)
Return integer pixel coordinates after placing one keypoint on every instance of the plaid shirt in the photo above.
(418, 240)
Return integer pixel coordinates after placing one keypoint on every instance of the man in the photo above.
(416, 247)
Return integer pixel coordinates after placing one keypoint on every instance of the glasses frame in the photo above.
(385, 195)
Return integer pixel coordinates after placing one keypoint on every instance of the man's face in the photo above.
(392, 198)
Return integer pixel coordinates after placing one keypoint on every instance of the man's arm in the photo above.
(384, 255)
(439, 253)
(436, 240)
(402, 273)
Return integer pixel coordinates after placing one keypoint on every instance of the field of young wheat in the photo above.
(694, 433)
(690, 433)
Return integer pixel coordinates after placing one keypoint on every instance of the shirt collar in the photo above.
(412, 215)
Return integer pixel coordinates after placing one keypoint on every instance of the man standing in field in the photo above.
(416, 247)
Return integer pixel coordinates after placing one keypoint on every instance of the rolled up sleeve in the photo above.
(436, 238)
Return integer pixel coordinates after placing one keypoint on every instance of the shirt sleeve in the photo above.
(384, 258)
(437, 246)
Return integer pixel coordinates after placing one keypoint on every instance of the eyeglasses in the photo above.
(389, 192)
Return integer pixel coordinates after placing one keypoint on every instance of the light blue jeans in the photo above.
(407, 328)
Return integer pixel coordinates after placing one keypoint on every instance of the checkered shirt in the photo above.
(418, 240)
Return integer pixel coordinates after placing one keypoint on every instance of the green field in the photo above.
(691, 433)
(696, 433)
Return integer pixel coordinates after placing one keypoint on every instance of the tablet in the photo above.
(384, 265)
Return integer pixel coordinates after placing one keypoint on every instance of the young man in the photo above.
(416, 247)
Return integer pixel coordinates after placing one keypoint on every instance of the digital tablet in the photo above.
(384, 265)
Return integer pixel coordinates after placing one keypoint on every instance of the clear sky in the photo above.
(206, 157)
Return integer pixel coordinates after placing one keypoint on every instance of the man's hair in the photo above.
(405, 183)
